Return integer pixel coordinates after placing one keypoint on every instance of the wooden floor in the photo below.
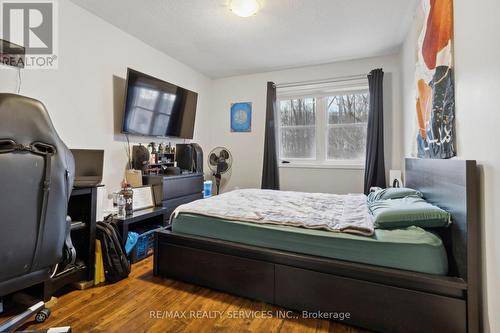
(131, 305)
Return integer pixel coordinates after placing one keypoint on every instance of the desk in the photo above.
(82, 208)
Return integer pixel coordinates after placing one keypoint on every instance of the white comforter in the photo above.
(333, 212)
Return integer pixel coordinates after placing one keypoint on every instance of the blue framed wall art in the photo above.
(241, 117)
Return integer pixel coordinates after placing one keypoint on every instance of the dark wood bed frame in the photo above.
(377, 298)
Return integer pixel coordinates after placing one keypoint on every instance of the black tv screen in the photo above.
(157, 108)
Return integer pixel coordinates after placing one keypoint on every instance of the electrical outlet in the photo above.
(395, 178)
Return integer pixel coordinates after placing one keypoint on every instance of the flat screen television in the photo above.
(157, 108)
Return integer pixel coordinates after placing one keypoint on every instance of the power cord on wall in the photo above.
(128, 151)
(19, 80)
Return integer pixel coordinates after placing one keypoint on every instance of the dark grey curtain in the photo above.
(270, 170)
(375, 165)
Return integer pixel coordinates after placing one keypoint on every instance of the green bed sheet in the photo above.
(411, 248)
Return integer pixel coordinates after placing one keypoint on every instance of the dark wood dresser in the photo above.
(172, 191)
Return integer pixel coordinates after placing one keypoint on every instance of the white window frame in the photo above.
(321, 94)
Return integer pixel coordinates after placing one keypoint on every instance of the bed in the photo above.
(410, 280)
(412, 248)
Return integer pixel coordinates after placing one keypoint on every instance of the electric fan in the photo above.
(219, 161)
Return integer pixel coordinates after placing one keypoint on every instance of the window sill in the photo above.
(301, 165)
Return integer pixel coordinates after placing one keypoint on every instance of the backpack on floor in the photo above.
(116, 264)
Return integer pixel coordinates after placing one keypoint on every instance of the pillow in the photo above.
(393, 193)
(400, 213)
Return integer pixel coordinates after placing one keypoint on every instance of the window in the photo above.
(347, 124)
(298, 128)
(327, 129)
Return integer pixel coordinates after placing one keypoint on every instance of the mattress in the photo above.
(411, 248)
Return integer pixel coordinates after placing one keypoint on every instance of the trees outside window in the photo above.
(329, 129)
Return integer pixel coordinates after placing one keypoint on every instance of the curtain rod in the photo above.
(332, 80)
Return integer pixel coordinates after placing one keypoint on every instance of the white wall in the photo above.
(408, 94)
(84, 95)
(477, 54)
(247, 148)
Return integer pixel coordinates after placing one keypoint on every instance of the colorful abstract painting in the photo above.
(241, 117)
(435, 102)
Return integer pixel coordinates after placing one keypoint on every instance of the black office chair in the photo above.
(36, 178)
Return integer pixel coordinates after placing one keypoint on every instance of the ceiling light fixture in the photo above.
(244, 8)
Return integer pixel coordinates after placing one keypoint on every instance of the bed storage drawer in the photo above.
(241, 276)
(367, 303)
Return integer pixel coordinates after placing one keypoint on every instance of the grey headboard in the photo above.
(452, 185)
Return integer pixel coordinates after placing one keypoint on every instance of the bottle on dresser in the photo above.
(128, 195)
